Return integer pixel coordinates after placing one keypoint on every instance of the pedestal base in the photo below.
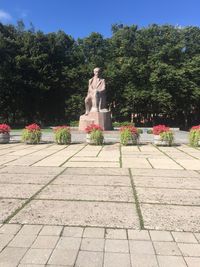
(103, 119)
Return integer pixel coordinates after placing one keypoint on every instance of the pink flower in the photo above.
(195, 128)
(4, 128)
(158, 129)
(93, 127)
(131, 128)
(33, 127)
(55, 129)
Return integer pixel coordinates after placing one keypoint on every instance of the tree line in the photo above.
(152, 74)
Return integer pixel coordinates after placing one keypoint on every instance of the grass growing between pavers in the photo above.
(139, 212)
(169, 156)
(7, 220)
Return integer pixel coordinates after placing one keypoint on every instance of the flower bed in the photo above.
(194, 136)
(94, 134)
(62, 135)
(32, 134)
(163, 135)
(129, 135)
(4, 133)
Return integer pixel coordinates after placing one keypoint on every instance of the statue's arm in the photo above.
(103, 86)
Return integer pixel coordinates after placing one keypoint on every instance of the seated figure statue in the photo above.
(95, 100)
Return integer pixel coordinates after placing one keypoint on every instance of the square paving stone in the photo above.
(63, 257)
(191, 250)
(18, 190)
(51, 230)
(5, 239)
(36, 256)
(176, 261)
(167, 182)
(93, 180)
(118, 246)
(164, 173)
(89, 259)
(184, 237)
(10, 229)
(11, 256)
(161, 236)
(141, 247)
(138, 235)
(146, 260)
(93, 232)
(167, 248)
(73, 231)
(192, 262)
(45, 242)
(8, 206)
(92, 244)
(27, 229)
(116, 234)
(96, 171)
(97, 193)
(117, 260)
(169, 196)
(32, 170)
(171, 218)
(22, 241)
(99, 214)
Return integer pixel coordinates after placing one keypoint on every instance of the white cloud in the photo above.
(4, 16)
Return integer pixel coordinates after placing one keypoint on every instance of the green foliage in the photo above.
(74, 123)
(96, 137)
(31, 137)
(194, 137)
(150, 71)
(124, 123)
(63, 136)
(167, 136)
(149, 131)
(140, 131)
(126, 137)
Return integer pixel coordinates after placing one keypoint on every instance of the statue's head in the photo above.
(97, 71)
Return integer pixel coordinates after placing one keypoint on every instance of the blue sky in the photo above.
(81, 17)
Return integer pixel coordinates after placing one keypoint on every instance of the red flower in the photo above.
(195, 128)
(33, 127)
(131, 128)
(55, 129)
(4, 128)
(93, 127)
(158, 129)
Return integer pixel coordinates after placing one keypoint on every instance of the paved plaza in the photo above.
(99, 206)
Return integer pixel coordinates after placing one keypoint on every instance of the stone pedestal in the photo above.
(102, 118)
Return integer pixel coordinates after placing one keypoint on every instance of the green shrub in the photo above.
(150, 131)
(96, 137)
(31, 137)
(74, 123)
(128, 135)
(167, 136)
(140, 131)
(31, 134)
(194, 137)
(62, 135)
(120, 124)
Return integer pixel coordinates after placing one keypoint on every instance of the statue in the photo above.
(95, 104)
(95, 100)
